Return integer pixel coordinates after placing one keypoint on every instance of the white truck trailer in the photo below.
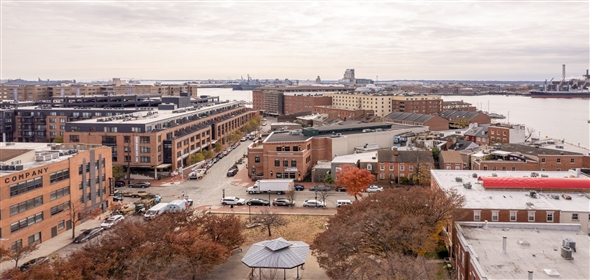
(279, 186)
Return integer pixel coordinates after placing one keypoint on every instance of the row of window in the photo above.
(288, 148)
(391, 167)
(530, 216)
(572, 161)
(60, 208)
(26, 205)
(26, 186)
(285, 162)
(31, 220)
(59, 193)
(59, 176)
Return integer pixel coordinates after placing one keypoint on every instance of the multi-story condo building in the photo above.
(162, 138)
(295, 102)
(271, 99)
(45, 92)
(379, 103)
(419, 103)
(40, 183)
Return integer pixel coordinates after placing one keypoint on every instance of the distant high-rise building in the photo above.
(318, 80)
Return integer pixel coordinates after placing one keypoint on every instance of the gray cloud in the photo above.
(472, 40)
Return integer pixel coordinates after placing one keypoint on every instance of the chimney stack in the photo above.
(563, 71)
(530, 275)
(504, 245)
(395, 152)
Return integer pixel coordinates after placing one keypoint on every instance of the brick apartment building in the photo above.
(39, 182)
(393, 165)
(336, 113)
(420, 104)
(271, 99)
(451, 160)
(45, 92)
(162, 138)
(304, 102)
(380, 103)
(434, 122)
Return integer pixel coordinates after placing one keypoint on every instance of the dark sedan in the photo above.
(33, 262)
(282, 201)
(119, 184)
(88, 234)
(299, 187)
(257, 201)
(320, 188)
(140, 185)
(341, 189)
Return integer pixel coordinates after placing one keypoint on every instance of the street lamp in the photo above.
(316, 198)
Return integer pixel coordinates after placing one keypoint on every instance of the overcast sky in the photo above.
(268, 39)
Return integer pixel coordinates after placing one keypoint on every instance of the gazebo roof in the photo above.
(277, 253)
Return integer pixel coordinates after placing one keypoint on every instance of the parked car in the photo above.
(299, 187)
(118, 197)
(108, 223)
(320, 188)
(119, 184)
(257, 201)
(282, 201)
(373, 188)
(341, 189)
(264, 124)
(243, 139)
(215, 160)
(140, 185)
(313, 203)
(88, 234)
(232, 172)
(341, 202)
(210, 164)
(33, 262)
(232, 200)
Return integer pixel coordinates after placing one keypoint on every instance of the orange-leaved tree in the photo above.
(355, 180)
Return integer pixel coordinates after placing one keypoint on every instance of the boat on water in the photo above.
(573, 88)
(249, 84)
(495, 115)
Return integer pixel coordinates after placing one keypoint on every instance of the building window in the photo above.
(285, 163)
(542, 160)
(257, 159)
(558, 161)
(144, 149)
(513, 216)
(391, 167)
(29, 221)
(572, 161)
(74, 138)
(60, 225)
(26, 186)
(381, 176)
(144, 139)
(369, 167)
(279, 149)
(574, 217)
(411, 167)
(26, 205)
(277, 162)
(531, 216)
(293, 163)
(17, 245)
(477, 215)
(61, 207)
(145, 159)
(401, 168)
(59, 176)
(35, 237)
(295, 148)
(126, 139)
(495, 215)
(550, 216)
(382, 167)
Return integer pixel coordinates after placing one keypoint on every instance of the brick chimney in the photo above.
(395, 152)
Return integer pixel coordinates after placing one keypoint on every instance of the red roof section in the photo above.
(535, 183)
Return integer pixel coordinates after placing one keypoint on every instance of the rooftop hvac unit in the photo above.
(566, 253)
(11, 167)
(4, 167)
(20, 167)
(568, 242)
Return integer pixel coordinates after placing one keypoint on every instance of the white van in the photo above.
(157, 210)
(341, 202)
(176, 205)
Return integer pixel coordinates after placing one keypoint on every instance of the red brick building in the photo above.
(420, 104)
(451, 160)
(399, 165)
(343, 113)
(271, 99)
(463, 118)
(40, 183)
(299, 102)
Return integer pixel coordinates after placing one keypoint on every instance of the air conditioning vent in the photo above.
(566, 253)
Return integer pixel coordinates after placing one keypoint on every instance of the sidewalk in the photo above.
(218, 209)
(55, 244)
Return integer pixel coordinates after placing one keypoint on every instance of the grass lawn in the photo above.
(299, 228)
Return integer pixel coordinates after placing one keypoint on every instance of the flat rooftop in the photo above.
(353, 158)
(285, 137)
(152, 116)
(45, 154)
(479, 198)
(543, 252)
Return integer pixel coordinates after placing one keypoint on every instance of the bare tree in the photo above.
(79, 212)
(269, 219)
(529, 133)
(323, 195)
(18, 253)
(291, 196)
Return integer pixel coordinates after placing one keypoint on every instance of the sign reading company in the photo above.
(26, 175)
